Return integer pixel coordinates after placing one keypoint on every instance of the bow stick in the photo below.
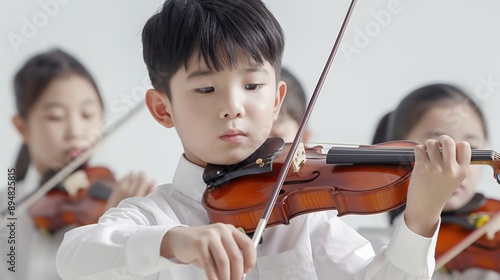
(293, 148)
(490, 228)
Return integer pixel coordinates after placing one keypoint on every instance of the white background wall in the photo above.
(391, 47)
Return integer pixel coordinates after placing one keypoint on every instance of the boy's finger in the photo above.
(206, 262)
(248, 250)
(235, 256)
(220, 259)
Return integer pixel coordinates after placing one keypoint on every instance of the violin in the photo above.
(360, 180)
(484, 252)
(80, 199)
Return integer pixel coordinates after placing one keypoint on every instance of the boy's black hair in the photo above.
(215, 30)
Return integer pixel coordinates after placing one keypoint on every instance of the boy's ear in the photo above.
(280, 96)
(159, 107)
(21, 127)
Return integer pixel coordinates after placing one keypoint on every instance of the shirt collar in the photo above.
(188, 179)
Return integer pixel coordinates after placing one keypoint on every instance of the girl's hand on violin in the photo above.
(435, 177)
(221, 250)
(133, 184)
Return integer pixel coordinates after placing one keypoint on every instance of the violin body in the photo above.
(62, 206)
(315, 186)
(483, 253)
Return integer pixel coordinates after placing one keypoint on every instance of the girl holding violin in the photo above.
(59, 117)
(220, 89)
(428, 112)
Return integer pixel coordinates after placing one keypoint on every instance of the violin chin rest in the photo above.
(100, 190)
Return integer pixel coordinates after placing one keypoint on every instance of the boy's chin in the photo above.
(230, 159)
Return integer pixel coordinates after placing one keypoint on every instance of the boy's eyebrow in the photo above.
(255, 69)
(199, 73)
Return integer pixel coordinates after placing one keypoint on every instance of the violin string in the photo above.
(376, 152)
(372, 150)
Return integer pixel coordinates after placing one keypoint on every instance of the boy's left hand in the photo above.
(435, 177)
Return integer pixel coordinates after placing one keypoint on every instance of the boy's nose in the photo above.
(232, 107)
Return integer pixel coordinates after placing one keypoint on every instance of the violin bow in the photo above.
(490, 228)
(293, 148)
(9, 215)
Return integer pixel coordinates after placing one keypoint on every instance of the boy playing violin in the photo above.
(214, 66)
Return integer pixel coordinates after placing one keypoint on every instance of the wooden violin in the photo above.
(358, 180)
(484, 252)
(78, 200)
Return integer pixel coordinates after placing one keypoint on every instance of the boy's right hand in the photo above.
(221, 250)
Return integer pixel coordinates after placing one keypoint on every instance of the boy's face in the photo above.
(222, 117)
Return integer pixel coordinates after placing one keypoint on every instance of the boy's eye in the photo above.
(252, 86)
(206, 90)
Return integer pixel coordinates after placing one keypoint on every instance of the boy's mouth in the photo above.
(233, 136)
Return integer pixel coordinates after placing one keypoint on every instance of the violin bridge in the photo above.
(76, 181)
(299, 157)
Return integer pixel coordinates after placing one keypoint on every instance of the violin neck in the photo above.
(364, 155)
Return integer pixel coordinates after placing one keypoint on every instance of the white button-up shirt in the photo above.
(125, 244)
(35, 251)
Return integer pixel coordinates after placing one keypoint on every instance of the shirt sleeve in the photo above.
(407, 256)
(125, 242)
